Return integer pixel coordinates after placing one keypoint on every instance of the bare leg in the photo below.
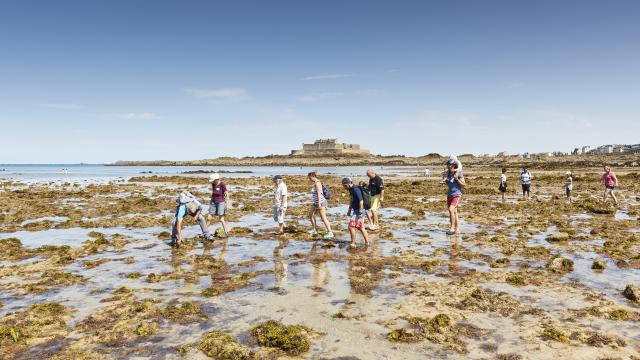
(613, 196)
(312, 217)
(375, 218)
(224, 225)
(451, 218)
(323, 216)
(368, 213)
(364, 235)
(456, 220)
(352, 232)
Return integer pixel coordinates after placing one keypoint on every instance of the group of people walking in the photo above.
(365, 201)
(609, 178)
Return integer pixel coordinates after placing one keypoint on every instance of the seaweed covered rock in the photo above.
(146, 328)
(186, 312)
(37, 324)
(632, 292)
(598, 265)
(403, 335)
(551, 333)
(293, 339)
(221, 346)
(557, 237)
(559, 264)
(485, 300)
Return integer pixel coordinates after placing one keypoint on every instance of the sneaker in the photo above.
(328, 235)
(313, 232)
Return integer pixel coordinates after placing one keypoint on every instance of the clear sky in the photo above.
(100, 81)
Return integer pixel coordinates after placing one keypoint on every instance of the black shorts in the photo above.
(503, 188)
(610, 187)
(526, 187)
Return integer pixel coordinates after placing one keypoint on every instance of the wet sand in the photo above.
(86, 273)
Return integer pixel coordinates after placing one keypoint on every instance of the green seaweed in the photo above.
(223, 346)
(185, 312)
(293, 339)
(551, 333)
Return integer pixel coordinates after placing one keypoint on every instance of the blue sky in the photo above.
(100, 81)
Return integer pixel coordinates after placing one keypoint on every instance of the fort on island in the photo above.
(330, 147)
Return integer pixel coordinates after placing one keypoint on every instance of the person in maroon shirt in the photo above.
(220, 201)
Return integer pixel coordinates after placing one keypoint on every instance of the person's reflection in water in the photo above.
(321, 275)
(280, 267)
(454, 261)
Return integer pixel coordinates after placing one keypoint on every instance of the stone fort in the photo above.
(330, 147)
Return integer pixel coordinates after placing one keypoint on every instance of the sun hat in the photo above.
(568, 173)
(277, 177)
(346, 181)
(214, 177)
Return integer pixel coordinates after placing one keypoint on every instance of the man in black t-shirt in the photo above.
(376, 187)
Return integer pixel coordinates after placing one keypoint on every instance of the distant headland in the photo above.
(330, 152)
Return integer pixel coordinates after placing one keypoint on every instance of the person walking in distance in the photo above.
(220, 201)
(610, 183)
(455, 183)
(568, 186)
(503, 184)
(280, 205)
(525, 181)
(376, 188)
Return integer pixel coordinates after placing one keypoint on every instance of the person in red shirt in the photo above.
(220, 201)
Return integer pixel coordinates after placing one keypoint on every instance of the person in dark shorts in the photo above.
(503, 184)
(356, 211)
(568, 186)
(525, 181)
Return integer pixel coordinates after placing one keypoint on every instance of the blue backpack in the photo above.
(325, 192)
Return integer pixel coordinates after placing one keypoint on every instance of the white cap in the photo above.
(568, 173)
(214, 177)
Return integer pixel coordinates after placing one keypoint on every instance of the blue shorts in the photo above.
(218, 209)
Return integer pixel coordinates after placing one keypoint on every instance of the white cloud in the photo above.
(327, 76)
(223, 94)
(138, 116)
(68, 106)
(319, 96)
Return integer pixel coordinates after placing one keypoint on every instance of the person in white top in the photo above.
(427, 174)
(280, 205)
(503, 184)
(568, 186)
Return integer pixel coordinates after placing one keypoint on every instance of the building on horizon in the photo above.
(324, 147)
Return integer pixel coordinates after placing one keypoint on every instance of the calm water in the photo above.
(102, 173)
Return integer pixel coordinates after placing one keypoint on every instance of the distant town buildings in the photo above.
(607, 149)
(330, 147)
(583, 150)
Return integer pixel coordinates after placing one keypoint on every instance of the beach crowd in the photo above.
(365, 201)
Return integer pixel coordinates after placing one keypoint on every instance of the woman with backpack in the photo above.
(321, 195)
